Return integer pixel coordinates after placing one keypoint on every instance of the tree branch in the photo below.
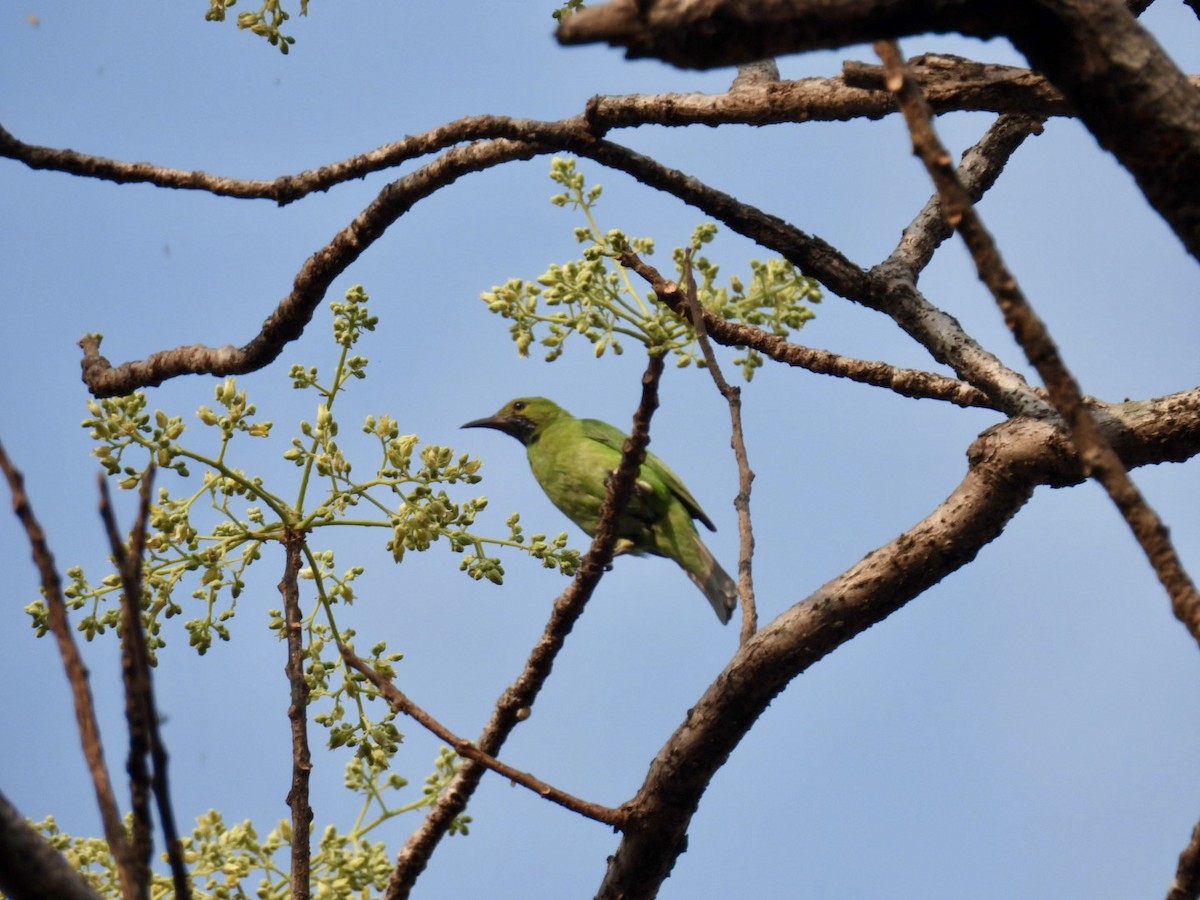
(400, 702)
(135, 672)
(1099, 459)
(887, 292)
(141, 709)
(981, 165)
(705, 34)
(30, 869)
(297, 797)
(1006, 462)
(1110, 70)
(733, 397)
(514, 704)
(85, 711)
(906, 382)
(288, 320)
(659, 814)
(951, 83)
(1126, 90)
(1186, 885)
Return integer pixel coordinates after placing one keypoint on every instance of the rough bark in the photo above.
(1006, 464)
(1111, 71)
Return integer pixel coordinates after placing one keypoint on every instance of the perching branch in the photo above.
(400, 702)
(85, 710)
(1099, 459)
(514, 704)
(685, 304)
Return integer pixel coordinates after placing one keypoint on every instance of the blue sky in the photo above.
(1030, 725)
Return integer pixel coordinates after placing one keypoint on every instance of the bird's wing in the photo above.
(606, 434)
(603, 433)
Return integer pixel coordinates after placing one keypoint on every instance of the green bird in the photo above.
(572, 459)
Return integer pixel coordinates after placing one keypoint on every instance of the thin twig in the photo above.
(1098, 458)
(978, 171)
(514, 704)
(733, 396)
(85, 711)
(134, 672)
(400, 702)
(297, 798)
(141, 709)
(914, 383)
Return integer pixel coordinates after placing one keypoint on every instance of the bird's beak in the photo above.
(514, 426)
(497, 422)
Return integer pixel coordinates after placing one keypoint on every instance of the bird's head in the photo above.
(523, 418)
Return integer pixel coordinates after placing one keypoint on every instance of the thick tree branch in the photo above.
(1005, 464)
(30, 869)
(659, 814)
(705, 34)
(514, 704)
(1110, 70)
(1126, 90)
(951, 84)
(1099, 458)
(1186, 885)
(400, 702)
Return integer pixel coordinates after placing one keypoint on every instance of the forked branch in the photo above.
(1099, 459)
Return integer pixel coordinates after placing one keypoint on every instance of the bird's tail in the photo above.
(718, 587)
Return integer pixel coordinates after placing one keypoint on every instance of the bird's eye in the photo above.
(518, 406)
